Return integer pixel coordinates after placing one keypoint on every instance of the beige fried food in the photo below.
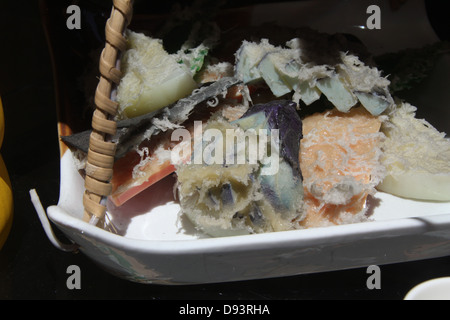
(339, 159)
(416, 156)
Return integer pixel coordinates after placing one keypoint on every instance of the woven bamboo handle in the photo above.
(100, 158)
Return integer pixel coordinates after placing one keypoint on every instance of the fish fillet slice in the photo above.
(339, 159)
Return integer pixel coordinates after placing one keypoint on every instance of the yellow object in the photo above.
(6, 196)
(2, 123)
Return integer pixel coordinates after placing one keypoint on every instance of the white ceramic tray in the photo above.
(159, 246)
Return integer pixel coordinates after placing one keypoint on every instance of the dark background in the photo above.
(31, 268)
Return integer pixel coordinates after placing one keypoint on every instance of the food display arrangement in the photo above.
(254, 152)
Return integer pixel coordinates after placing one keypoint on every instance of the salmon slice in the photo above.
(138, 170)
(339, 160)
(156, 172)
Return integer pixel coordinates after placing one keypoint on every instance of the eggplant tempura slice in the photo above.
(262, 193)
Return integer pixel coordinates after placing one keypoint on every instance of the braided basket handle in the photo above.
(100, 158)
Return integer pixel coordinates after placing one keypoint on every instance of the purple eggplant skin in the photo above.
(282, 189)
(282, 115)
(227, 194)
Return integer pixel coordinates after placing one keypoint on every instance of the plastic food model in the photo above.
(318, 132)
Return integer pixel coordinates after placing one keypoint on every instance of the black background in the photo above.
(31, 268)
